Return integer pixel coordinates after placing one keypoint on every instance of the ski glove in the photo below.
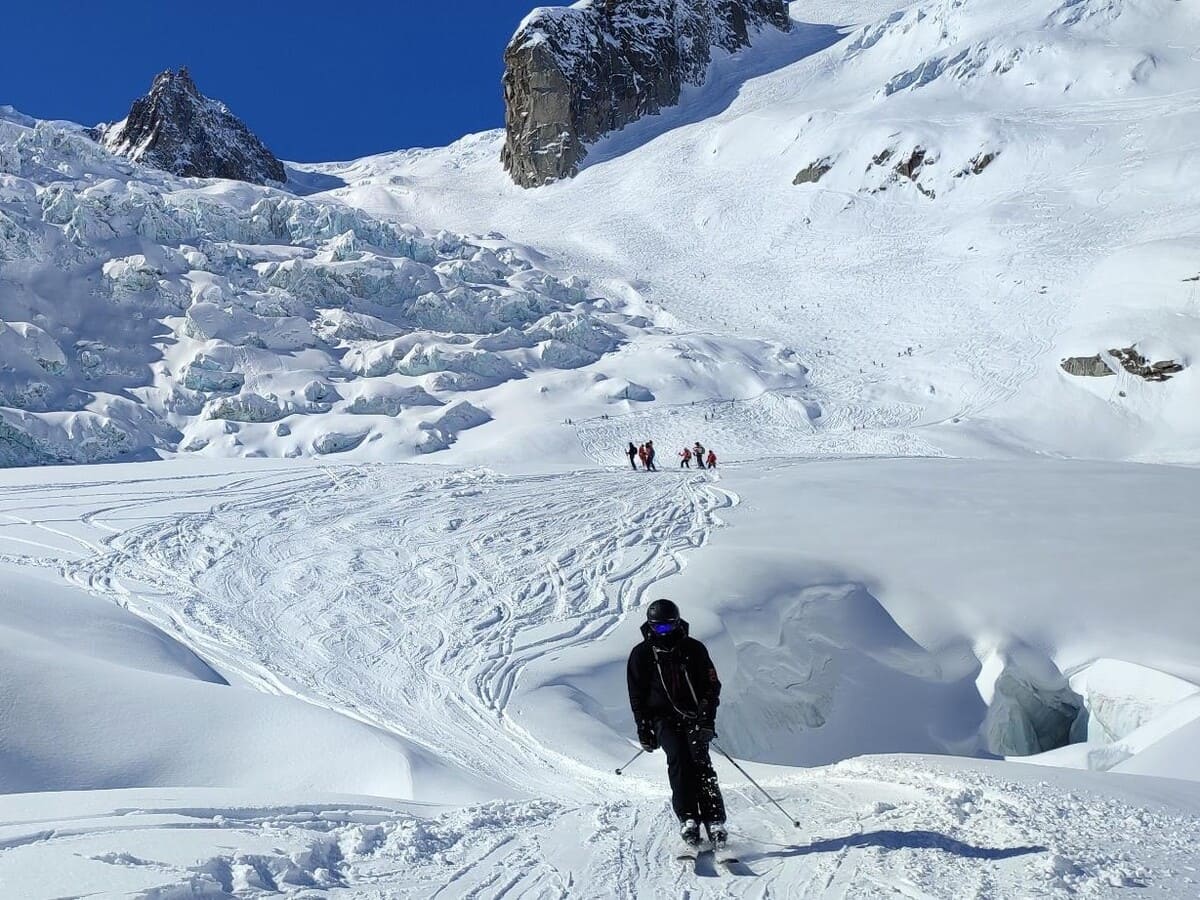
(703, 733)
(646, 736)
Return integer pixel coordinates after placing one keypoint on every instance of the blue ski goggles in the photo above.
(663, 627)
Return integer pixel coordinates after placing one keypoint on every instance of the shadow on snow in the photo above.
(900, 840)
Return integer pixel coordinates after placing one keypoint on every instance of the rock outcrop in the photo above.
(1135, 364)
(1131, 361)
(814, 172)
(1086, 366)
(574, 74)
(178, 129)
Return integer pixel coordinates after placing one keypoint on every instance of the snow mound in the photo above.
(132, 707)
(834, 676)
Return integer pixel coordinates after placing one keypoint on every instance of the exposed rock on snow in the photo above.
(814, 172)
(577, 73)
(1136, 364)
(980, 162)
(1131, 361)
(1086, 366)
(178, 129)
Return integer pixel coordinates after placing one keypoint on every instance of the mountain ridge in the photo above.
(179, 130)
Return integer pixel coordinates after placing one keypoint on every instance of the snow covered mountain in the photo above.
(953, 218)
(896, 267)
(179, 130)
(936, 209)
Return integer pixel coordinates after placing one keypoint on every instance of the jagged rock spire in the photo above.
(176, 128)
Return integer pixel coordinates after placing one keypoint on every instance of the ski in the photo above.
(699, 861)
(705, 865)
(734, 866)
(728, 860)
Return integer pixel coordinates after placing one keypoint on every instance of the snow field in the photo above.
(490, 657)
(233, 657)
(932, 296)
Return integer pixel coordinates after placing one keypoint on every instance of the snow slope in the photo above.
(1009, 183)
(144, 315)
(479, 621)
(351, 677)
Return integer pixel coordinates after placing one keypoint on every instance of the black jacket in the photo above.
(672, 677)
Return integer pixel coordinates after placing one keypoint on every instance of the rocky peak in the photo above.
(574, 74)
(176, 128)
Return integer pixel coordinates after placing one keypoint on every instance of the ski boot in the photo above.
(717, 834)
(689, 833)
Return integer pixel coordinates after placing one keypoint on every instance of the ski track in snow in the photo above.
(423, 621)
(423, 624)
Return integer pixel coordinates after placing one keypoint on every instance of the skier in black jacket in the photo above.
(674, 692)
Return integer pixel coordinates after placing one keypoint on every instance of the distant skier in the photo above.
(685, 458)
(698, 452)
(650, 456)
(644, 455)
(632, 453)
(674, 692)
(712, 459)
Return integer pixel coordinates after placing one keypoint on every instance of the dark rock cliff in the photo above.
(574, 74)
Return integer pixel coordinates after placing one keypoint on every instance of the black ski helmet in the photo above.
(662, 611)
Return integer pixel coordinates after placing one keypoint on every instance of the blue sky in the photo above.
(316, 81)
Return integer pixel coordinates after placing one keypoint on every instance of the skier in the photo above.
(698, 452)
(674, 692)
(650, 456)
(712, 459)
(685, 458)
(632, 454)
(644, 455)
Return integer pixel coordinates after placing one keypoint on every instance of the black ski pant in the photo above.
(695, 793)
(633, 462)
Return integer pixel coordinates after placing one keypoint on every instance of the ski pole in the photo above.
(795, 822)
(621, 770)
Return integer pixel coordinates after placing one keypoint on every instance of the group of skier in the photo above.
(696, 452)
(645, 453)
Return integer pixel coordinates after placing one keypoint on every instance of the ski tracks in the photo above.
(412, 597)
(417, 599)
